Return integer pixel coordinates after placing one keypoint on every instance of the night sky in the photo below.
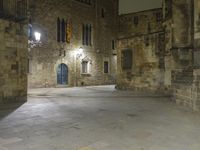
(127, 6)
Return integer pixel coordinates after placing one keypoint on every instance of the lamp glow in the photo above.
(37, 36)
(80, 50)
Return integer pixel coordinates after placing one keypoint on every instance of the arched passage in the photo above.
(62, 74)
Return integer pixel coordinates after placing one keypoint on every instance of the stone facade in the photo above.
(181, 26)
(162, 55)
(142, 34)
(13, 56)
(45, 59)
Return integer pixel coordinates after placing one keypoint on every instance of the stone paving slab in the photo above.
(104, 119)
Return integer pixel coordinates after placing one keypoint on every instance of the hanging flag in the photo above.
(68, 31)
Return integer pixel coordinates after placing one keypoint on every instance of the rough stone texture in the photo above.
(145, 41)
(171, 64)
(98, 118)
(197, 32)
(189, 94)
(13, 62)
(181, 46)
(45, 60)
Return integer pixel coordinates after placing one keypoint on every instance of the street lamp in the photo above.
(37, 36)
(36, 41)
(80, 50)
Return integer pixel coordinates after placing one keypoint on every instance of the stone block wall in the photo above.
(13, 62)
(142, 33)
(44, 60)
(189, 94)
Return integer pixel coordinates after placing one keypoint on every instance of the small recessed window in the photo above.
(102, 12)
(146, 41)
(135, 20)
(113, 44)
(106, 67)
(159, 17)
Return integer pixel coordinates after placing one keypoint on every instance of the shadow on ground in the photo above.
(7, 109)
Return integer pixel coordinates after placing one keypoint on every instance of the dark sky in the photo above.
(127, 6)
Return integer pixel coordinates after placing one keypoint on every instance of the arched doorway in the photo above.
(62, 74)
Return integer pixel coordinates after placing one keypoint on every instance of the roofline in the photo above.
(147, 10)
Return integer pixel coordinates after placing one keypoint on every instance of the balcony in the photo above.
(14, 10)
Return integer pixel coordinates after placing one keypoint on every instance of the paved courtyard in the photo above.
(98, 118)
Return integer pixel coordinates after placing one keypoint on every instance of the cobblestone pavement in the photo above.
(98, 118)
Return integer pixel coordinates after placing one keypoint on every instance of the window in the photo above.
(15, 10)
(88, 2)
(159, 17)
(102, 12)
(135, 20)
(149, 27)
(63, 30)
(113, 44)
(21, 9)
(85, 67)
(106, 67)
(168, 8)
(87, 34)
(146, 41)
(127, 59)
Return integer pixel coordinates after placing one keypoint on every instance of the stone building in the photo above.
(140, 50)
(13, 51)
(77, 45)
(182, 60)
(159, 50)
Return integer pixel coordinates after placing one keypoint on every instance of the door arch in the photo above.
(62, 74)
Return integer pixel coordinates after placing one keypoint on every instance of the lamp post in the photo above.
(78, 54)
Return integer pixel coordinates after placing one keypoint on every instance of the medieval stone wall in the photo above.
(182, 56)
(13, 62)
(142, 33)
(44, 60)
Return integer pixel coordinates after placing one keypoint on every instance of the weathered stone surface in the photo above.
(46, 59)
(181, 48)
(144, 38)
(13, 63)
